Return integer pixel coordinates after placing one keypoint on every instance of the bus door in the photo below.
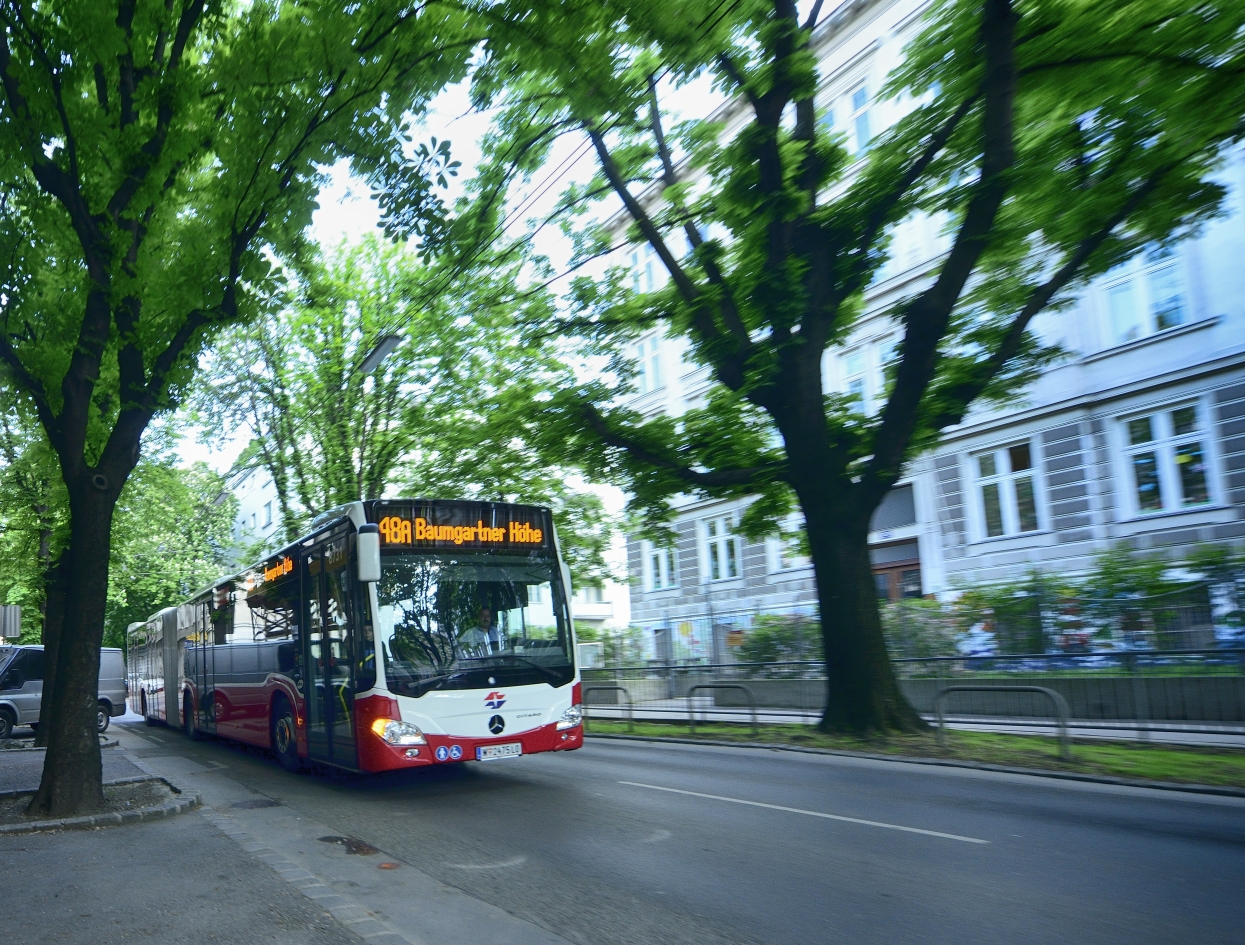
(200, 660)
(330, 643)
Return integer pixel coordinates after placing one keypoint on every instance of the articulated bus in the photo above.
(399, 633)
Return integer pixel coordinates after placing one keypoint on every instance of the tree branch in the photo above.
(718, 478)
(965, 393)
(730, 368)
(881, 213)
(927, 316)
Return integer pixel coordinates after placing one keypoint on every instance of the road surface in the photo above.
(638, 842)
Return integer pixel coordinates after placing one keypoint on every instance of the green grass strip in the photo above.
(1191, 765)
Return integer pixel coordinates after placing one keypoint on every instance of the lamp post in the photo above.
(381, 350)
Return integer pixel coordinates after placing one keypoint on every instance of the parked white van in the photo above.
(21, 686)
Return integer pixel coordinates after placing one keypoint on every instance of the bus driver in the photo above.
(483, 637)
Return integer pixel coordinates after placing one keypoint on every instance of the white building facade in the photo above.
(1137, 437)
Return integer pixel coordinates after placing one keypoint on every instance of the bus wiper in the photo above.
(429, 683)
(543, 670)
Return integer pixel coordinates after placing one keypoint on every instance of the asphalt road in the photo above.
(634, 842)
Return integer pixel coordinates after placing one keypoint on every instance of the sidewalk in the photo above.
(175, 880)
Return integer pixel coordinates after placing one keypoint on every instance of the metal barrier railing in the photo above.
(691, 706)
(1058, 701)
(622, 689)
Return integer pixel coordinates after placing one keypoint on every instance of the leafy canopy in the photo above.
(1049, 141)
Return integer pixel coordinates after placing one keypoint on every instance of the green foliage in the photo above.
(777, 638)
(1126, 106)
(196, 135)
(1011, 611)
(918, 628)
(1052, 140)
(171, 537)
(623, 647)
(445, 414)
(33, 516)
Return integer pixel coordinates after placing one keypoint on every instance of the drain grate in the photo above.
(256, 804)
(357, 847)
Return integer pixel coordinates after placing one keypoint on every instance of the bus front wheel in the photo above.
(285, 736)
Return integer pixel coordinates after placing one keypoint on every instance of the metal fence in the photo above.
(1204, 686)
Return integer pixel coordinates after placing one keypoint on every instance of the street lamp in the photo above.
(383, 347)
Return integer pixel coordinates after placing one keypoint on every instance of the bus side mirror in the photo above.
(368, 548)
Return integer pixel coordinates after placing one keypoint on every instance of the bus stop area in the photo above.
(242, 868)
(136, 883)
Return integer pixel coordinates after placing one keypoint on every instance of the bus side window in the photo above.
(222, 626)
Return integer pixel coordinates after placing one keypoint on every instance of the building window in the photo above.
(649, 357)
(590, 595)
(659, 570)
(1145, 295)
(854, 375)
(1005, 487)
(643, 275)
(253, 522)
(267, 514)
(721, 548)
(1167, 460)
(896, 570)
(860, 119)
(888, 355)
(787, 548)
(827, 121)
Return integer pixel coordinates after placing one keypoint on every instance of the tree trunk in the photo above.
(53, 618)
(862, 695)
(72, 768)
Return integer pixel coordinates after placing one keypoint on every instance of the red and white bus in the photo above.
(399, 633)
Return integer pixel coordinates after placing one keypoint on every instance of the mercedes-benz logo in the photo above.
(496, 724)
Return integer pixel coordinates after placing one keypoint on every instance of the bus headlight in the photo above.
(398, 733)
(571, 718)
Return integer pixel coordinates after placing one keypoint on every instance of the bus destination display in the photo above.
(471, 525)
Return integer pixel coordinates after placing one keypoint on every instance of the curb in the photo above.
(187, 800)
(179, 805)
(344, 910)
(103, 744)
(944, 763)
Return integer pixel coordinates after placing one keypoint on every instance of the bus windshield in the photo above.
(472, 621)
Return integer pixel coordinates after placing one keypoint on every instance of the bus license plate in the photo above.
(493, 752)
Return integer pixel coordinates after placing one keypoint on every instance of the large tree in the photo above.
(154, 155)
(1056, 138)
(433, 419)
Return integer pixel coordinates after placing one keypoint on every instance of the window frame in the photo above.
(855, 114)
(1005, 478)
(654, 560)
(711, 538)
(649, 378)
(776, 545)
(1165, 444)
(1138, 275)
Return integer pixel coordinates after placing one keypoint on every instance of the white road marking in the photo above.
(513, 861)
(809, 813)
(657, 837)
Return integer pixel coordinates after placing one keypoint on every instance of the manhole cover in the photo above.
(256, 804)
(357, 847)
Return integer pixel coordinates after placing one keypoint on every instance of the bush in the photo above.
(776, 638)
(918, 628)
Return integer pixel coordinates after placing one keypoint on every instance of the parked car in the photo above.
(21, 687)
